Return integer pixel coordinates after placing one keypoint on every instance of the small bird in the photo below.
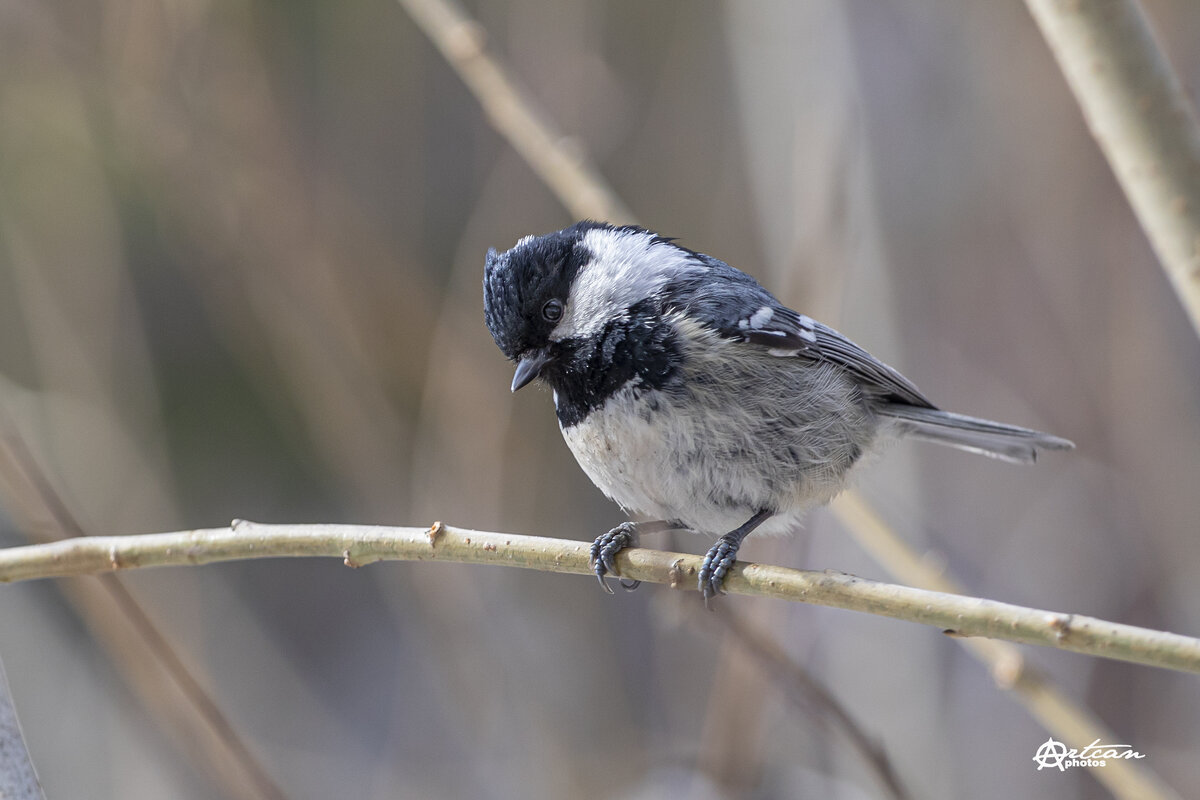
(691, 396)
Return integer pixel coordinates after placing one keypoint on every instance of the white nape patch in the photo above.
(626, 268)
(760, 318)
(524, 241)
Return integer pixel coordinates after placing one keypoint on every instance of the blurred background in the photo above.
(241, 247)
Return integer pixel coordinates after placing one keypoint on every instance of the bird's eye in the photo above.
(552, 311)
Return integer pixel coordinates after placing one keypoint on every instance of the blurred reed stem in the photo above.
(141, 653)
(560, 162)
(18, 779)
(1049, 706)
(808, 694)
(1140, 115)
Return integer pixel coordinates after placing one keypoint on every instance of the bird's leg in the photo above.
(606, 547)
(720, 556)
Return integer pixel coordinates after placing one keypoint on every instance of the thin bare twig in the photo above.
(559, 162)
(358, 545)
(1142, 119)
(807, 692)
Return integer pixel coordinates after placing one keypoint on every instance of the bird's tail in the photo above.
(995, 439)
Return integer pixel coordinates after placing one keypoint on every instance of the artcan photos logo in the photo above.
(1057, 754)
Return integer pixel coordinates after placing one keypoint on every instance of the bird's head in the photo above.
(551, 290)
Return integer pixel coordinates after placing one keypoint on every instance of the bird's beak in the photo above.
(529, 368)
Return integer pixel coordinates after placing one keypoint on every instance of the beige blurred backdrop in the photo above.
(241, 247)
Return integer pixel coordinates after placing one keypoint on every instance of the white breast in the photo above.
(656, 463)
(626, 449)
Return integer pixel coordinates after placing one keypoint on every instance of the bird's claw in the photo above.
(717, 561)
(604, 553)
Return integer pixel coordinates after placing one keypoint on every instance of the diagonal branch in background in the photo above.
(557, 160)
(1142, 119)
(358, 545)
(142, 654)
(18, 779)
(1049, 706)
(806, 692)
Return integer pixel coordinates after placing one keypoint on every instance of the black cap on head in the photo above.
(519, 282)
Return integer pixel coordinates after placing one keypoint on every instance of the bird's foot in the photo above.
(604, 553)
(720, 557)
(717, 561)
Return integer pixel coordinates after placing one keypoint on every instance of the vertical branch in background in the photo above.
(585, 193)
(1143, 120)
(558, 161)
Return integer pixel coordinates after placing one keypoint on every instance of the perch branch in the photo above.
(359, 545)
(1140, 115)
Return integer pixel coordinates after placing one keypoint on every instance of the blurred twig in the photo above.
(1054, 710)
(556, 160)
(1143, 120)
(358, 545)
(145, 658)
(810, 695)
(18, 780)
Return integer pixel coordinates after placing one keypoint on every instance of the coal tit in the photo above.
(691, 396)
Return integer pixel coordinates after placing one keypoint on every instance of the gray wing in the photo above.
(790, 334)
(739, 308)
